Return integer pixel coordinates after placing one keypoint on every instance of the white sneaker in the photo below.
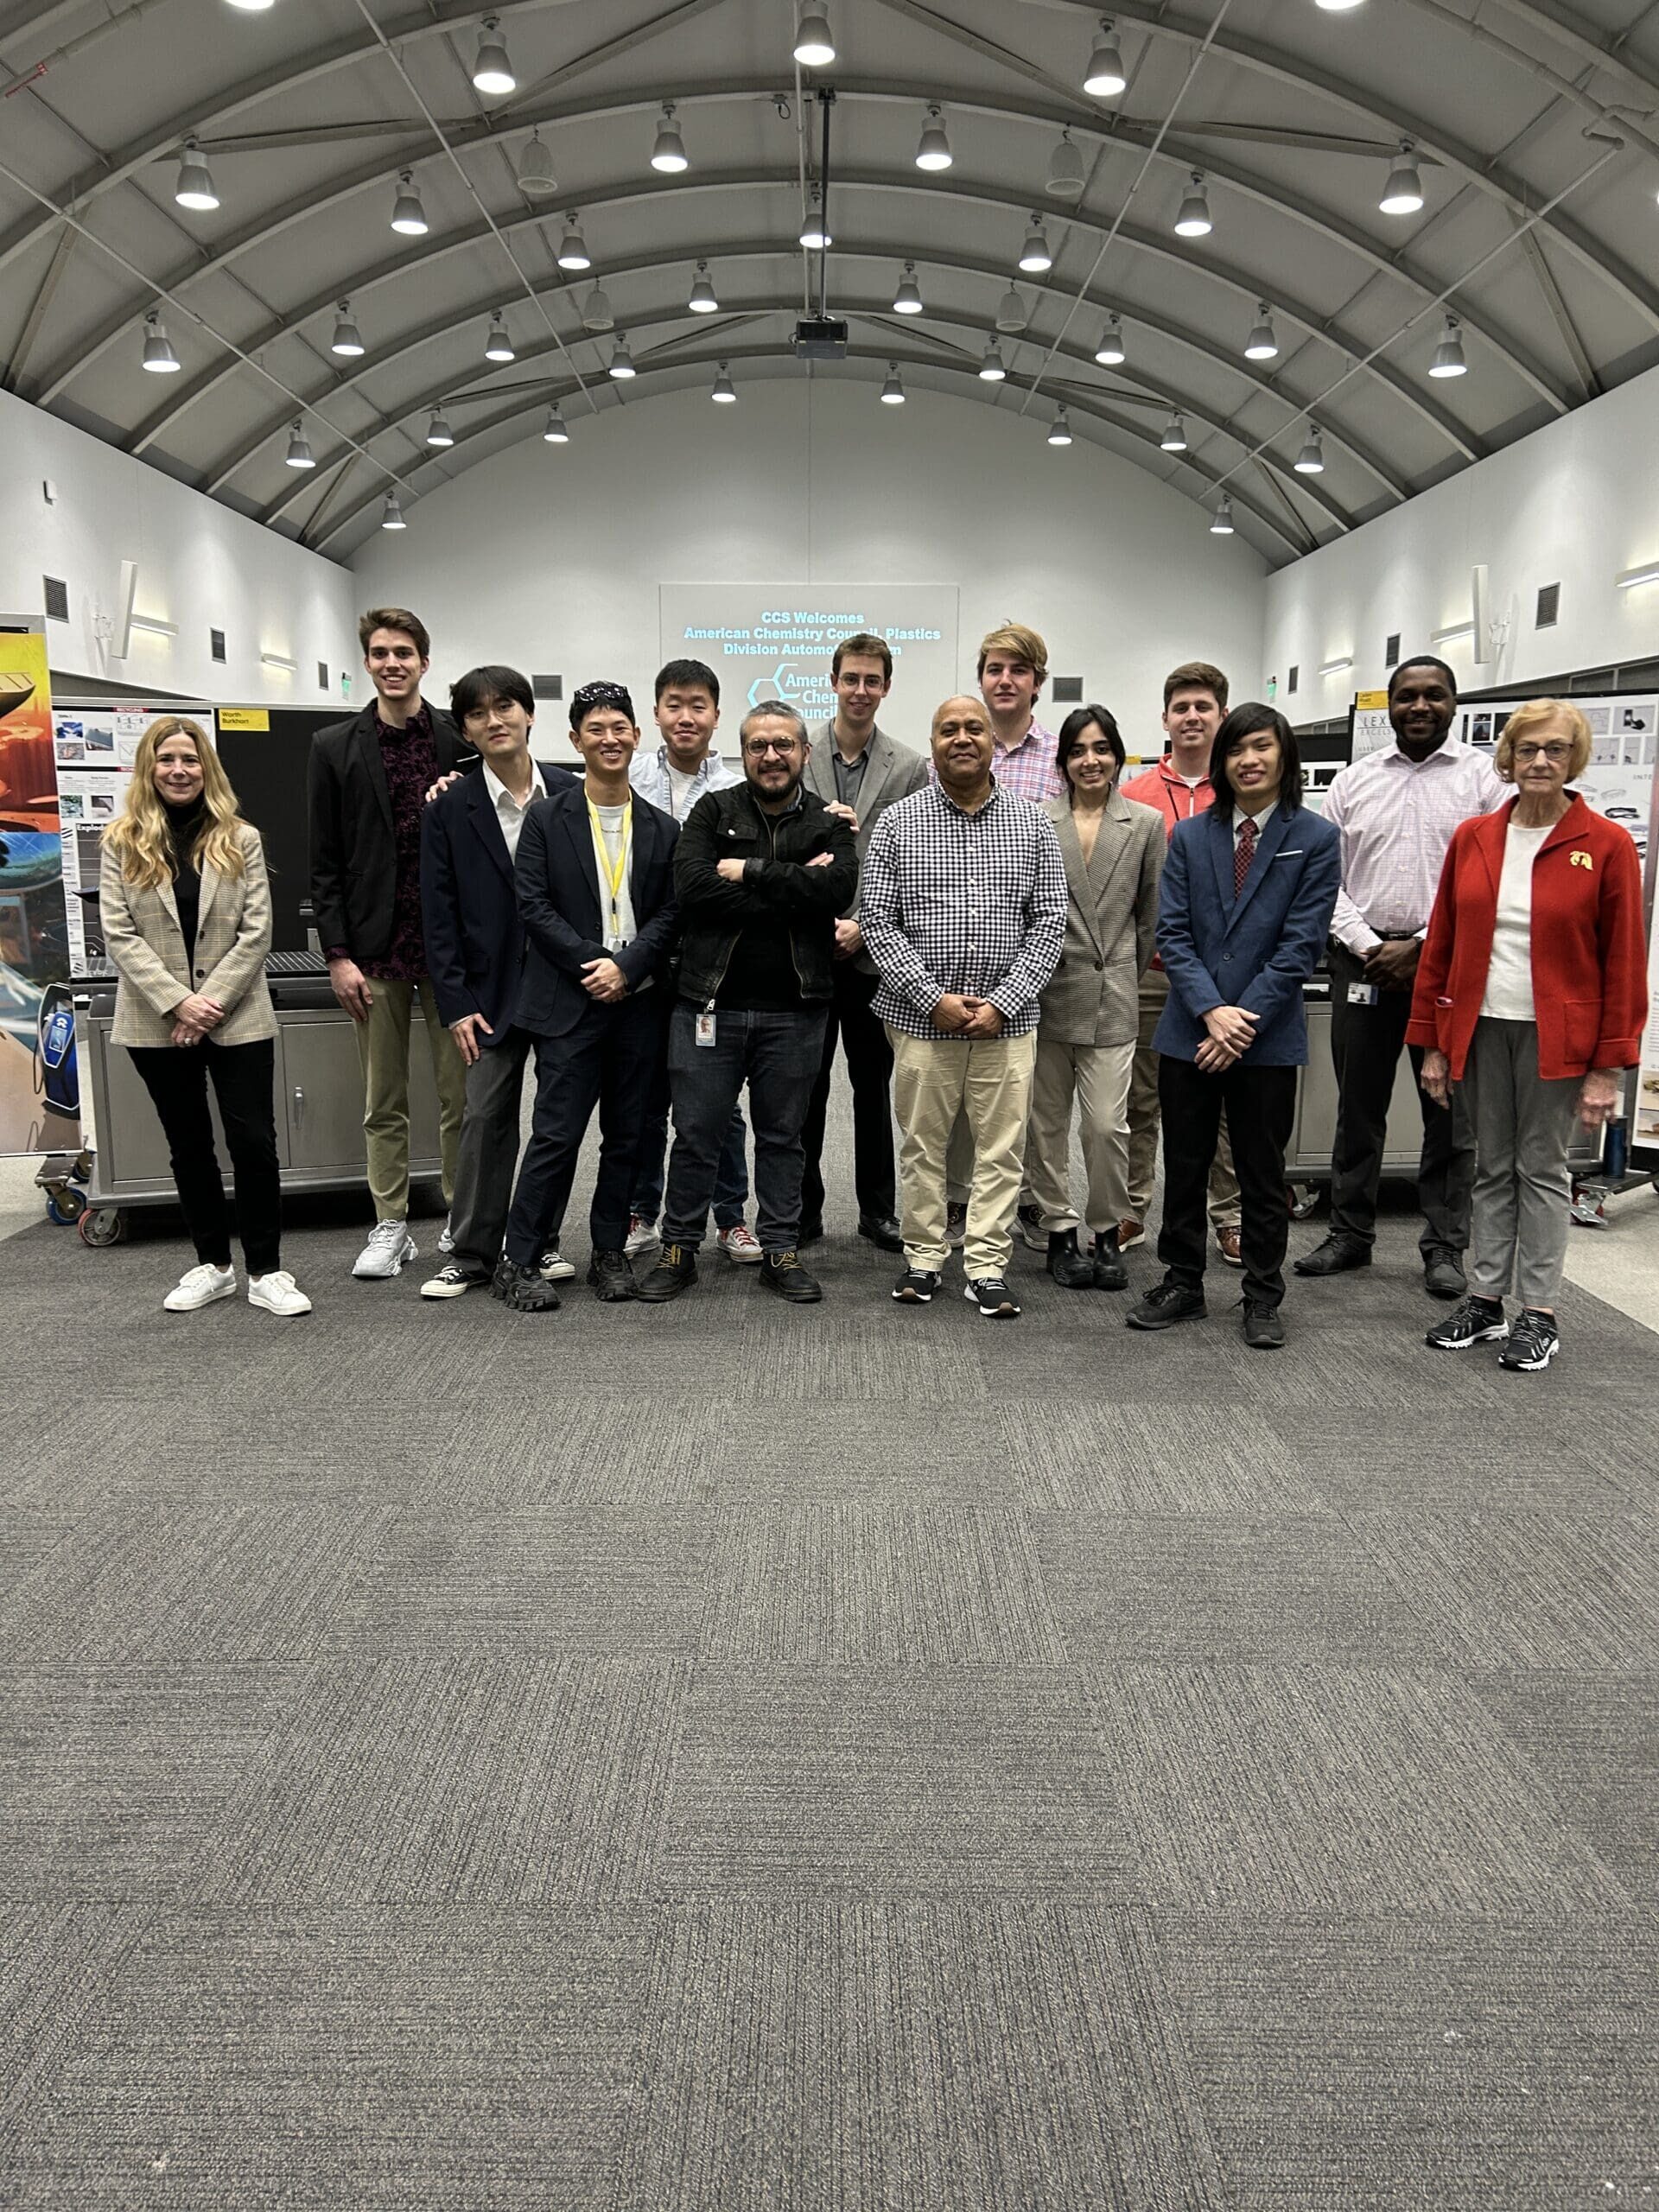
(446, 1236)
(200, 1287)
(642, 1235)
(277, 1292)
(389, 1250)
(555, 1267)
(739, 1243)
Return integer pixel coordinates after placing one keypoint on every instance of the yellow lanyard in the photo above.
(614, 877)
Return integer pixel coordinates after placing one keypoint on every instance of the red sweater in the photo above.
(1589, 960)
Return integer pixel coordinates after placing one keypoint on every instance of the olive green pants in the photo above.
(383, 1049)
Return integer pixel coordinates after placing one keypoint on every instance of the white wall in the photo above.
(1574, 503)
(548, 557)
(199, 565)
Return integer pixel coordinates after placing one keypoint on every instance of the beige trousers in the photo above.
(1224, 1209)
(1097, 1075)
(987, 1082)
(383, 1049)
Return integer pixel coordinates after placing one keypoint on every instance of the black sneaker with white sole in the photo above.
(993, 1297)
(455, 1279)
(1477, 1321)
(916, 1285)
(1533, 1341)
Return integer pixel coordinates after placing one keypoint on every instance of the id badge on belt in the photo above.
(1362, 994)
(703, 1028)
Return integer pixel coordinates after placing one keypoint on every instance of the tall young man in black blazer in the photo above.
(369, 776)
(595, 877)
(475, 946)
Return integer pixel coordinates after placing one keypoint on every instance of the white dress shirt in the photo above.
(1396, 816)
(509, 811)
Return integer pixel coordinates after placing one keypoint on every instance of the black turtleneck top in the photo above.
(184, 823)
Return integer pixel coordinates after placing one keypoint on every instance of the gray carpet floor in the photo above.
(722, 1757)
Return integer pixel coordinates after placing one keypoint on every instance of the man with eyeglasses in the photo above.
(1394, 811)
(761, 873)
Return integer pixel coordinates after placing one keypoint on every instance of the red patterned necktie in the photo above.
(1243, 853)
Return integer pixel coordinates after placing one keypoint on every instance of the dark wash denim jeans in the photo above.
(777, 1055)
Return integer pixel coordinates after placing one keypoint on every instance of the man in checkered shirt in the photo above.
(962, 907)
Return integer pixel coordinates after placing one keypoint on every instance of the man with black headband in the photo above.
(1394, 811)
(595, 884)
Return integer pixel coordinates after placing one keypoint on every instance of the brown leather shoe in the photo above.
(1129, 1234)
(1227, 1245)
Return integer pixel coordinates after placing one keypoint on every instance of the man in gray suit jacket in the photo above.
(854, 763)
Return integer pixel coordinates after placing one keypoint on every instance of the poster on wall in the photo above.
(774, 641)
(37, 1106)
(1618, 781)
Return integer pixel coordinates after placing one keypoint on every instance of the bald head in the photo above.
(962, 745)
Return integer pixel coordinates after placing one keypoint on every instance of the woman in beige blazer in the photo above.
(186, 911)
(1114, 855)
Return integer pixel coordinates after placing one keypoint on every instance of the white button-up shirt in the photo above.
(1396, 816)
(509, 811)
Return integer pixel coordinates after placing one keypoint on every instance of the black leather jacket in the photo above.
(778, 888)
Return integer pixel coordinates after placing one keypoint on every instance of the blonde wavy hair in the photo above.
(140, 836)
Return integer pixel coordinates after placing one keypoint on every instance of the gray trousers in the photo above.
(489, 1149)
(1524, 1186)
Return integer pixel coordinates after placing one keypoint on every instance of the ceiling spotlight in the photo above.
(299, 454)
(1065, 170)
(1193, 221)
(1035, 256)
(1310, 459)
(195, 186)
(725, 391)
(703, 300)
(407, 216)
(498, 346)
(1403, 192)
(1059, 430)
(596, 311)
(893, 392)
(491, 71)
(392, 515)
(1223, 524)
(1105, 78)
(1337, 6)
(1011, 317)
(815, 234)
(622, 361)
(1448, 354)
(159, 357)
(555, 434)
(347, 339)
(1174, 437)
(668, 149)
(438, 432)
(933, 149)
(1261, 345)
(536, 177)
(814, 47)
(1111, 349)
(573, 247)
(907, 299)
(990, 368)
(253, 6)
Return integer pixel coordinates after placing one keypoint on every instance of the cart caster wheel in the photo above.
(1303, 1200)
(63, 1206)
(101, 1226)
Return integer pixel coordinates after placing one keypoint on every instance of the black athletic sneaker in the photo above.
(1264, 1329)
(782, 1272)
(611, 1276)
(676, 1270)
(1166, 1304)
(1533, 1341)
(916, 1285)
(993, 1297)
(523, 1288)
(1477, 1321)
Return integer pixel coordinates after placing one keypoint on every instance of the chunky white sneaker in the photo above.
(277, 1292)
(388, 1252)
(555, 1267)
(200, 1287)
(642, 1235)
(739, 1243)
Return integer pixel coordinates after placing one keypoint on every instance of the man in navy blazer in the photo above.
(595, 884)
(1245, 906)
(475, 955)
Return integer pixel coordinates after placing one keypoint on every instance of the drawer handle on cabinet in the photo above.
(299, 1107)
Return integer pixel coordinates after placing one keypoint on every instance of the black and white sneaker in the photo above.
(1533, 1341)
(1477, 1321)
(993, 1297)
(916, 1285)
(455, 1279)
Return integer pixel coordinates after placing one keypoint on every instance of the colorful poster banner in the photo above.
(38, 1102)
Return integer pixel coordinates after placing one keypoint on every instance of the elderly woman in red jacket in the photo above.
(1531, 994)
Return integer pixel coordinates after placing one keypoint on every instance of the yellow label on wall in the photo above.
(1367, 701)
(243, 718)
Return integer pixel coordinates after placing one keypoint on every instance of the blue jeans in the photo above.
(778, 1056)
(731, 1170)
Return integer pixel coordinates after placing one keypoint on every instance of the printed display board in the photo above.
(774, 641)
(34, 942)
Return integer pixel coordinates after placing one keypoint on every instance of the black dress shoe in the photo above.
(1335, 1257)
(1263, 1330)
(811, 1232)
(1164, 1304)
(523, 1288)
(1110, 1274)
(783, 1272)
(1072, 1269)
(611, 1276)
(1442, 1275)
(676, 1270)
(882, 1230)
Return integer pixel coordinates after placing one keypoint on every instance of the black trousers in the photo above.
(869, 1070)
(610, 1060)
(177, 1077)
(1366, 1042)
(1261, 1106)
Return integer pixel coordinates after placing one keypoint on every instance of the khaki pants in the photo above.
(383, 1049)
(987, 1082)
(1098, 1076)
(1224, 1210)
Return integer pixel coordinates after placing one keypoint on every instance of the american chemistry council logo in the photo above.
(797, 687)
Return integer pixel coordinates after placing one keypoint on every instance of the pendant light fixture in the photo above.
(668, 151)
(893, 392)
(498, 346)
(491, 71)
(703, 300)
(596, 311)
(1174, 437)
(1223, 524)
(933, 148)
(1065, 169)
(438, 432)
(814, 235)
(195, 188)
(1059, 430)
(991, 369)
(1310, 462)
(407, 216)
(814, 47)
(392, 515)
(159, 358)
(621, 363)
(299, 454)
(573, 247)
(1193, 221)
(1011, 317)
(1104, 78)
(1448, 354)
(1034, 255)
(725, 391)
(347, 340)
(555, 433)
(1111, 349)
(1403, 192)
(536, 177)
(1261, 345)
(907, 299)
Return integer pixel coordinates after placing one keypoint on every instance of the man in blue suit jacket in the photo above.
(476, 954)
(1244, 910)
(595, 884)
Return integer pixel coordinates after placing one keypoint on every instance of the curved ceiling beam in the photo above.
(685, 365)
(380, 174)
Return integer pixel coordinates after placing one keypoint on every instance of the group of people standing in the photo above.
(1002, 937)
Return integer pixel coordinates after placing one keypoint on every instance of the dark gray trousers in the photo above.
(489, 1149)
